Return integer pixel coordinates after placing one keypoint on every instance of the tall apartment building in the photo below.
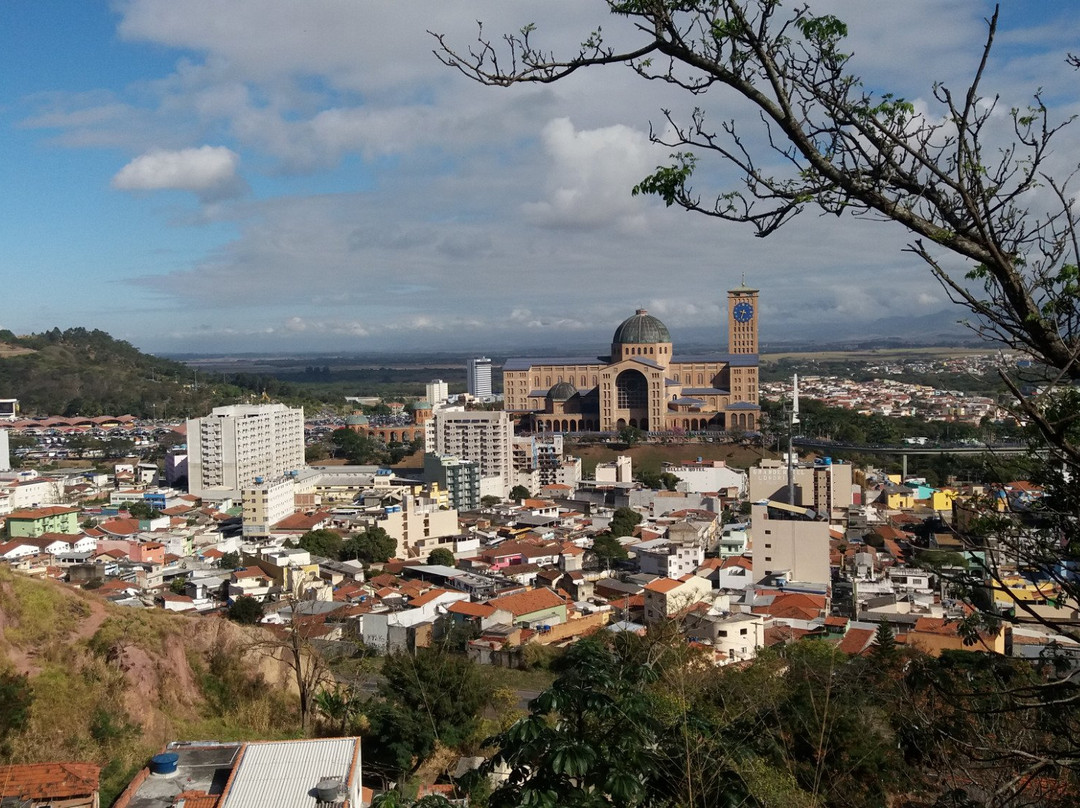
(484, 437)
(459, 478)
(232, 446)
(785, 541)
(436, 392)
(479, 381)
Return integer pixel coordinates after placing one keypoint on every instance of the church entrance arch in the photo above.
(632, 398)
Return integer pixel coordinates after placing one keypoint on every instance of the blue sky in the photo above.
(269, 175)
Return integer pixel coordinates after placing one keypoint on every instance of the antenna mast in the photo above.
(793, 420)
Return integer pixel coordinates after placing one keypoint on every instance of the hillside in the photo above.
(650, 457)
(112, 685)
(81, 372)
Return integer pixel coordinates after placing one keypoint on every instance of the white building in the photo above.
(619, 470)
(668, 559)
(483, 437)
(436, 392)
(709, 475)
(479, 372)
(231, 447)
(267, 503)
(5, 451)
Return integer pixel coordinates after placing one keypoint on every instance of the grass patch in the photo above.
(536, 679)
(651, 457)
(41, 614)
(144, 628)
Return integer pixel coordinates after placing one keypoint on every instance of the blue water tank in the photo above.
(165, 763)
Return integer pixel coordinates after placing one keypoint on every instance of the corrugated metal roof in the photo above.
(287, 772)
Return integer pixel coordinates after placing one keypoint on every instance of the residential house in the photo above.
(36, 521)
(667, 597)
(535, 607)
(50, 785)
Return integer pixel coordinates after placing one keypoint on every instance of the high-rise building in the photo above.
(459, 478)
(479, 371)
(484, 437)
(5, 451)
(436, 392)
(232, 447)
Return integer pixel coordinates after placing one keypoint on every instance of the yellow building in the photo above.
(642, 383)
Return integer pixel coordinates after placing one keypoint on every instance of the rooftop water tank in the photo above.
(329, 789)
(164, 764)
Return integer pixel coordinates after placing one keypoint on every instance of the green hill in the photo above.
(83, 372)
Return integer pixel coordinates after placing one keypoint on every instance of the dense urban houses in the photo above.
(642, 383)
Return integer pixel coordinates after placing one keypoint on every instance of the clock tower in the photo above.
(742, 320)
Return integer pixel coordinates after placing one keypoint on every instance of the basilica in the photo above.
(642, 383)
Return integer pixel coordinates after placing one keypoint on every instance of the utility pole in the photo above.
(792, 421)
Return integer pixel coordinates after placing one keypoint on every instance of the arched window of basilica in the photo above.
(631, 390)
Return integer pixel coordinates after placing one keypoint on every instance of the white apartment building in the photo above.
(231, 447)
(479, 373)
(668, 559)
(267, 503)
(436, 392)
(483, 437)
(5, 451)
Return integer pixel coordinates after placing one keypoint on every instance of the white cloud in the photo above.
(207, 171)
(591, 175)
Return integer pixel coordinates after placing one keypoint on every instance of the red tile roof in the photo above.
(533, 600)
(856, 640)
(302, 521)
(430, 595)
(43, 781)
(663, 585)
(38, 513)
(120, 527)
(464, 607)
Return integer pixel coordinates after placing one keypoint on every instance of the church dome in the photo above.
(356, 420)
(642, 328)
(563, 391)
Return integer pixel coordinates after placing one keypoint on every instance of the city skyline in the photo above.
(310, 178)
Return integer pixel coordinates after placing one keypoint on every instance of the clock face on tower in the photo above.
(743, 312)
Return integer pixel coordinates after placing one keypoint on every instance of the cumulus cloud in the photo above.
(208, 172)
(591, 175)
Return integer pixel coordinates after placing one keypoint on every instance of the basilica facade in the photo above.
(643, 383)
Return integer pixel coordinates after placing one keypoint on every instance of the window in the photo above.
(768, 558)
(742, 632)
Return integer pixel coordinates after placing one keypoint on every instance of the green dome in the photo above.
(356, 420)
(641, 328)
(563, 391)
